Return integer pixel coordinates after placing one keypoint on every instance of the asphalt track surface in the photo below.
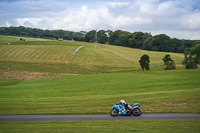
(95, 117)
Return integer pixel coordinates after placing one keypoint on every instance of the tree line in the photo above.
(39, 33)
(138, 40)
(191, 59)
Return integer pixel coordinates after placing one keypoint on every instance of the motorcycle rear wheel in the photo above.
(114, 112)
(137, 112)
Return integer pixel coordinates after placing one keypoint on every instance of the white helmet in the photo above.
(122, 101)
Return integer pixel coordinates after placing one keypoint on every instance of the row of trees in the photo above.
(39, 33)
(191, 59)
(146, 41)
(138, 40)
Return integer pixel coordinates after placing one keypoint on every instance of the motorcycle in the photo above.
(119, 110)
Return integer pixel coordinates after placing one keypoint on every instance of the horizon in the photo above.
(101, 29)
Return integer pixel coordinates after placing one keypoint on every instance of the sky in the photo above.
(176, 18)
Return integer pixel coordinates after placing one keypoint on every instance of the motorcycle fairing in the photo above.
(122, 110)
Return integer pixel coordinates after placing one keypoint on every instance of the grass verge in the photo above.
(158, 91)
(117, 126)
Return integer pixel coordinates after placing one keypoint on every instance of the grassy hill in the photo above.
(106, 74)
(95, 90)
(57, 57)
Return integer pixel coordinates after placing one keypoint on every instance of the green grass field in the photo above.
(117, 126)
(94, 91)
(57, 57)
(158, 92)
(106, 75)
(5, 39)
(8, 38)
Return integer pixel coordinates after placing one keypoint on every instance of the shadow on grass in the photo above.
(8, 82)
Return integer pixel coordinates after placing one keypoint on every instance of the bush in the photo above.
(21, 39)
(144, 62)
(170, 64)
(192, 57)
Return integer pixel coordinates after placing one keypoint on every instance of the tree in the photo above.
(187, 43)
(68, 36)
(189, 60)
(146, 44)
(137, 39)
(178, 47)
(144, 62)
(170, 64)
(101, 37)
(3, 31)
(192, 57)
(119, 38)
(162, 42)
(195, 51)
(90, 36)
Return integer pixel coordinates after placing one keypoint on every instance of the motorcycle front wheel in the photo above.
(137, 112)
(114, 112)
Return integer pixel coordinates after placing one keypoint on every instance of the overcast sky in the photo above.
(176, 18)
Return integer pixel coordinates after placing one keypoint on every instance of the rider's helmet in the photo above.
(122, 102)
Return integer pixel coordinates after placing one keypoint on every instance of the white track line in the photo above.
(75, 51)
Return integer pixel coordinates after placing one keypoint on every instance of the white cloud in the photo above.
(118, 4)
(84, 18)
(122, 21)
(8, 24)
(191, 21)
(28, 21)
(129, 15)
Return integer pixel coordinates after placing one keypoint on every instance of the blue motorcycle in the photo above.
(119, 110)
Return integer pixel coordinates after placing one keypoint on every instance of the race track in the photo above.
(95, 117)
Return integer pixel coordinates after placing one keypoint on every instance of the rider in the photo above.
(123, 103)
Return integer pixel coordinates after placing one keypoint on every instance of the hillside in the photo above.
(158, 90)
(57, 57)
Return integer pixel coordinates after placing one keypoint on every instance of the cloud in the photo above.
(118, 4)
(85, 18)
(8, 24)
(123, 21)
(28, 21)
(129, 15)
(191, 21)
